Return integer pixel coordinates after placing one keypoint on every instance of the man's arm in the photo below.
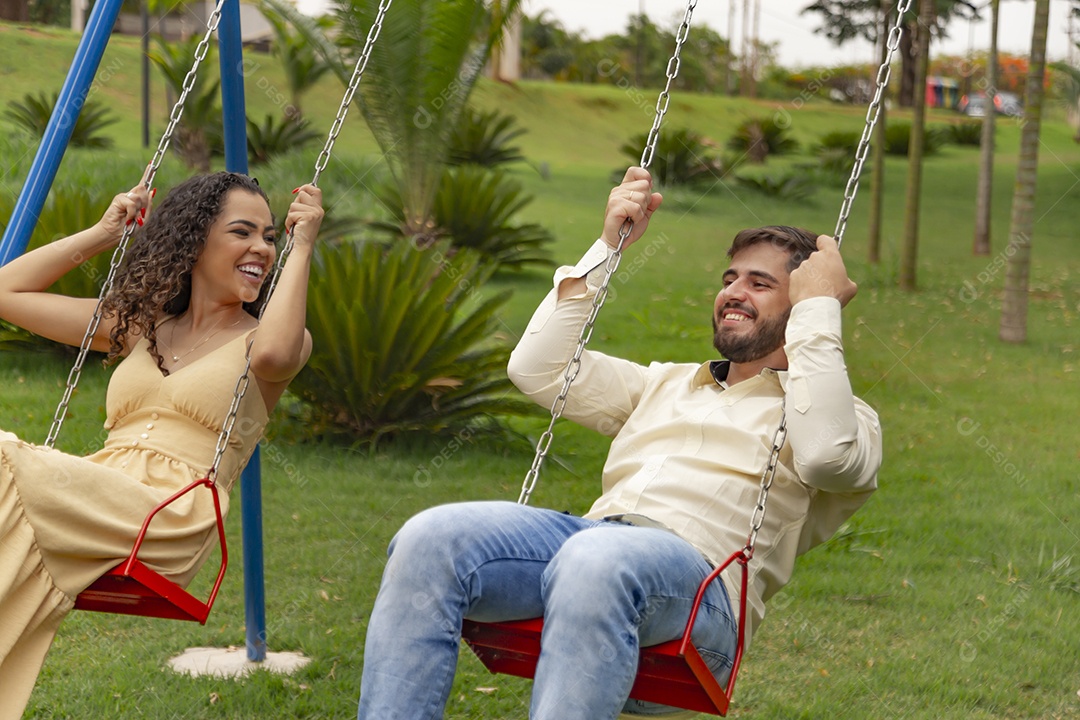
(606, 389)
(835, 437)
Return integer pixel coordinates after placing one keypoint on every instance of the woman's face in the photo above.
(239, 252)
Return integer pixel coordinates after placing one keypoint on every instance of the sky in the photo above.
(798, 45)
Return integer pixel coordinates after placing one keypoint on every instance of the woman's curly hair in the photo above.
(155, 278)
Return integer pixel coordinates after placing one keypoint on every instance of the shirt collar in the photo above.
(715, 372)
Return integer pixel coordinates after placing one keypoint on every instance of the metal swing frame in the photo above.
(132, 588)
(671, 673)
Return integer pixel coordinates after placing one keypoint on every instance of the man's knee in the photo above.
(448, 530)
(593, 564)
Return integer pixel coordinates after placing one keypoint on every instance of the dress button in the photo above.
(123, 464)
(149, 426)
(154, 416)
(144, 436)
(134, 443)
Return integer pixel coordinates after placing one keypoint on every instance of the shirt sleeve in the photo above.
(835, 437)
(605, 389)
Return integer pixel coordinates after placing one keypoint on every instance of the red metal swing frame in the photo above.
(671, 673)
(131, 588)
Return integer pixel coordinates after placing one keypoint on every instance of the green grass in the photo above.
(941, 600)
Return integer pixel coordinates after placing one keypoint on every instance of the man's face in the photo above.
(751, 311)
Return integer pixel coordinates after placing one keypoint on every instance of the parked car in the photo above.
(1006, 103)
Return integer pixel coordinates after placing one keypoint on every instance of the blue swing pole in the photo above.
(50, 152)
(234, 117)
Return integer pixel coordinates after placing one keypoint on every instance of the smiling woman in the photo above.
(183, 313)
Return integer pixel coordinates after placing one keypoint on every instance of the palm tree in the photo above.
(428, 58)
(302, 64)
(986, 159)
(1013, 326)
(193, 138)
(910, 250)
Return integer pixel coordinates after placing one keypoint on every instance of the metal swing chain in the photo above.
(574, 366)
(320, 164)
(121, 249)
(872, 114)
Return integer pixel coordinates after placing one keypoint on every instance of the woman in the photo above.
(181, 313)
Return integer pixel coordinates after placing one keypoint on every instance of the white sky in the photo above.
(798, 45)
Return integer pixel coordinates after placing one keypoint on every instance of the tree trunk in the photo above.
(910, 250)
(732, 85)
(877, 182)
(744, 88)
(15, 10)
(981, 244)
(909, 44)
(1014, 307)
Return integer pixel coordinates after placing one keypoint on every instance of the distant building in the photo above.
(191, 20)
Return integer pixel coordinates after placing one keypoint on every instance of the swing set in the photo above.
(671, 673)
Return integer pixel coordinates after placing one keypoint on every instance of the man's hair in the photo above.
(796, 242)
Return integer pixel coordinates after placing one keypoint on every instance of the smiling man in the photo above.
(689, 444)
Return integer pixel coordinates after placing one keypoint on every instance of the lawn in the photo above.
(954, 594)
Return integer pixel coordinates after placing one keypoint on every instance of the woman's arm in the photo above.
(282, 344)
(24, 281)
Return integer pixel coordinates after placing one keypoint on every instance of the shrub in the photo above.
(846, 140)
(785, 186)
(484, 139)
(898, 138)
(34, 112)
(474, 208)
(63, 214)
(682, 157)
(276, 136)
(402, 342)
(835, 152)
(757, 138)
(965, 133)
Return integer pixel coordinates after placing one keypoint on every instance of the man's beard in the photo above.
(748, 348)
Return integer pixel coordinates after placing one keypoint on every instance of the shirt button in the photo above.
(134, 443)
(149, 426)
(144, 436)
(153, 416)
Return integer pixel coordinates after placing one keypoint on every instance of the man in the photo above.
(679, 487)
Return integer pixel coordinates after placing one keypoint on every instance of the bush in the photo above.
(794, 186)
(276, 136)
(965, 133)
(755, 139)
(898, 138)
(682, 157)
(484, 139)
(402, 342)
(846, 140)
(63, 214)
(474, 208)
(34, 112)
(835, 152)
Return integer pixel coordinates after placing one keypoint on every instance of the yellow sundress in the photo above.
(66, 520)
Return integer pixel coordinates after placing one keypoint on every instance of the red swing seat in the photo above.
(671, 673)
(131, 588)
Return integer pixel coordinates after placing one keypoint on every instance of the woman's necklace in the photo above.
(196, 346)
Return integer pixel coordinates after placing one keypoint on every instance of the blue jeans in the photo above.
(604, 588)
